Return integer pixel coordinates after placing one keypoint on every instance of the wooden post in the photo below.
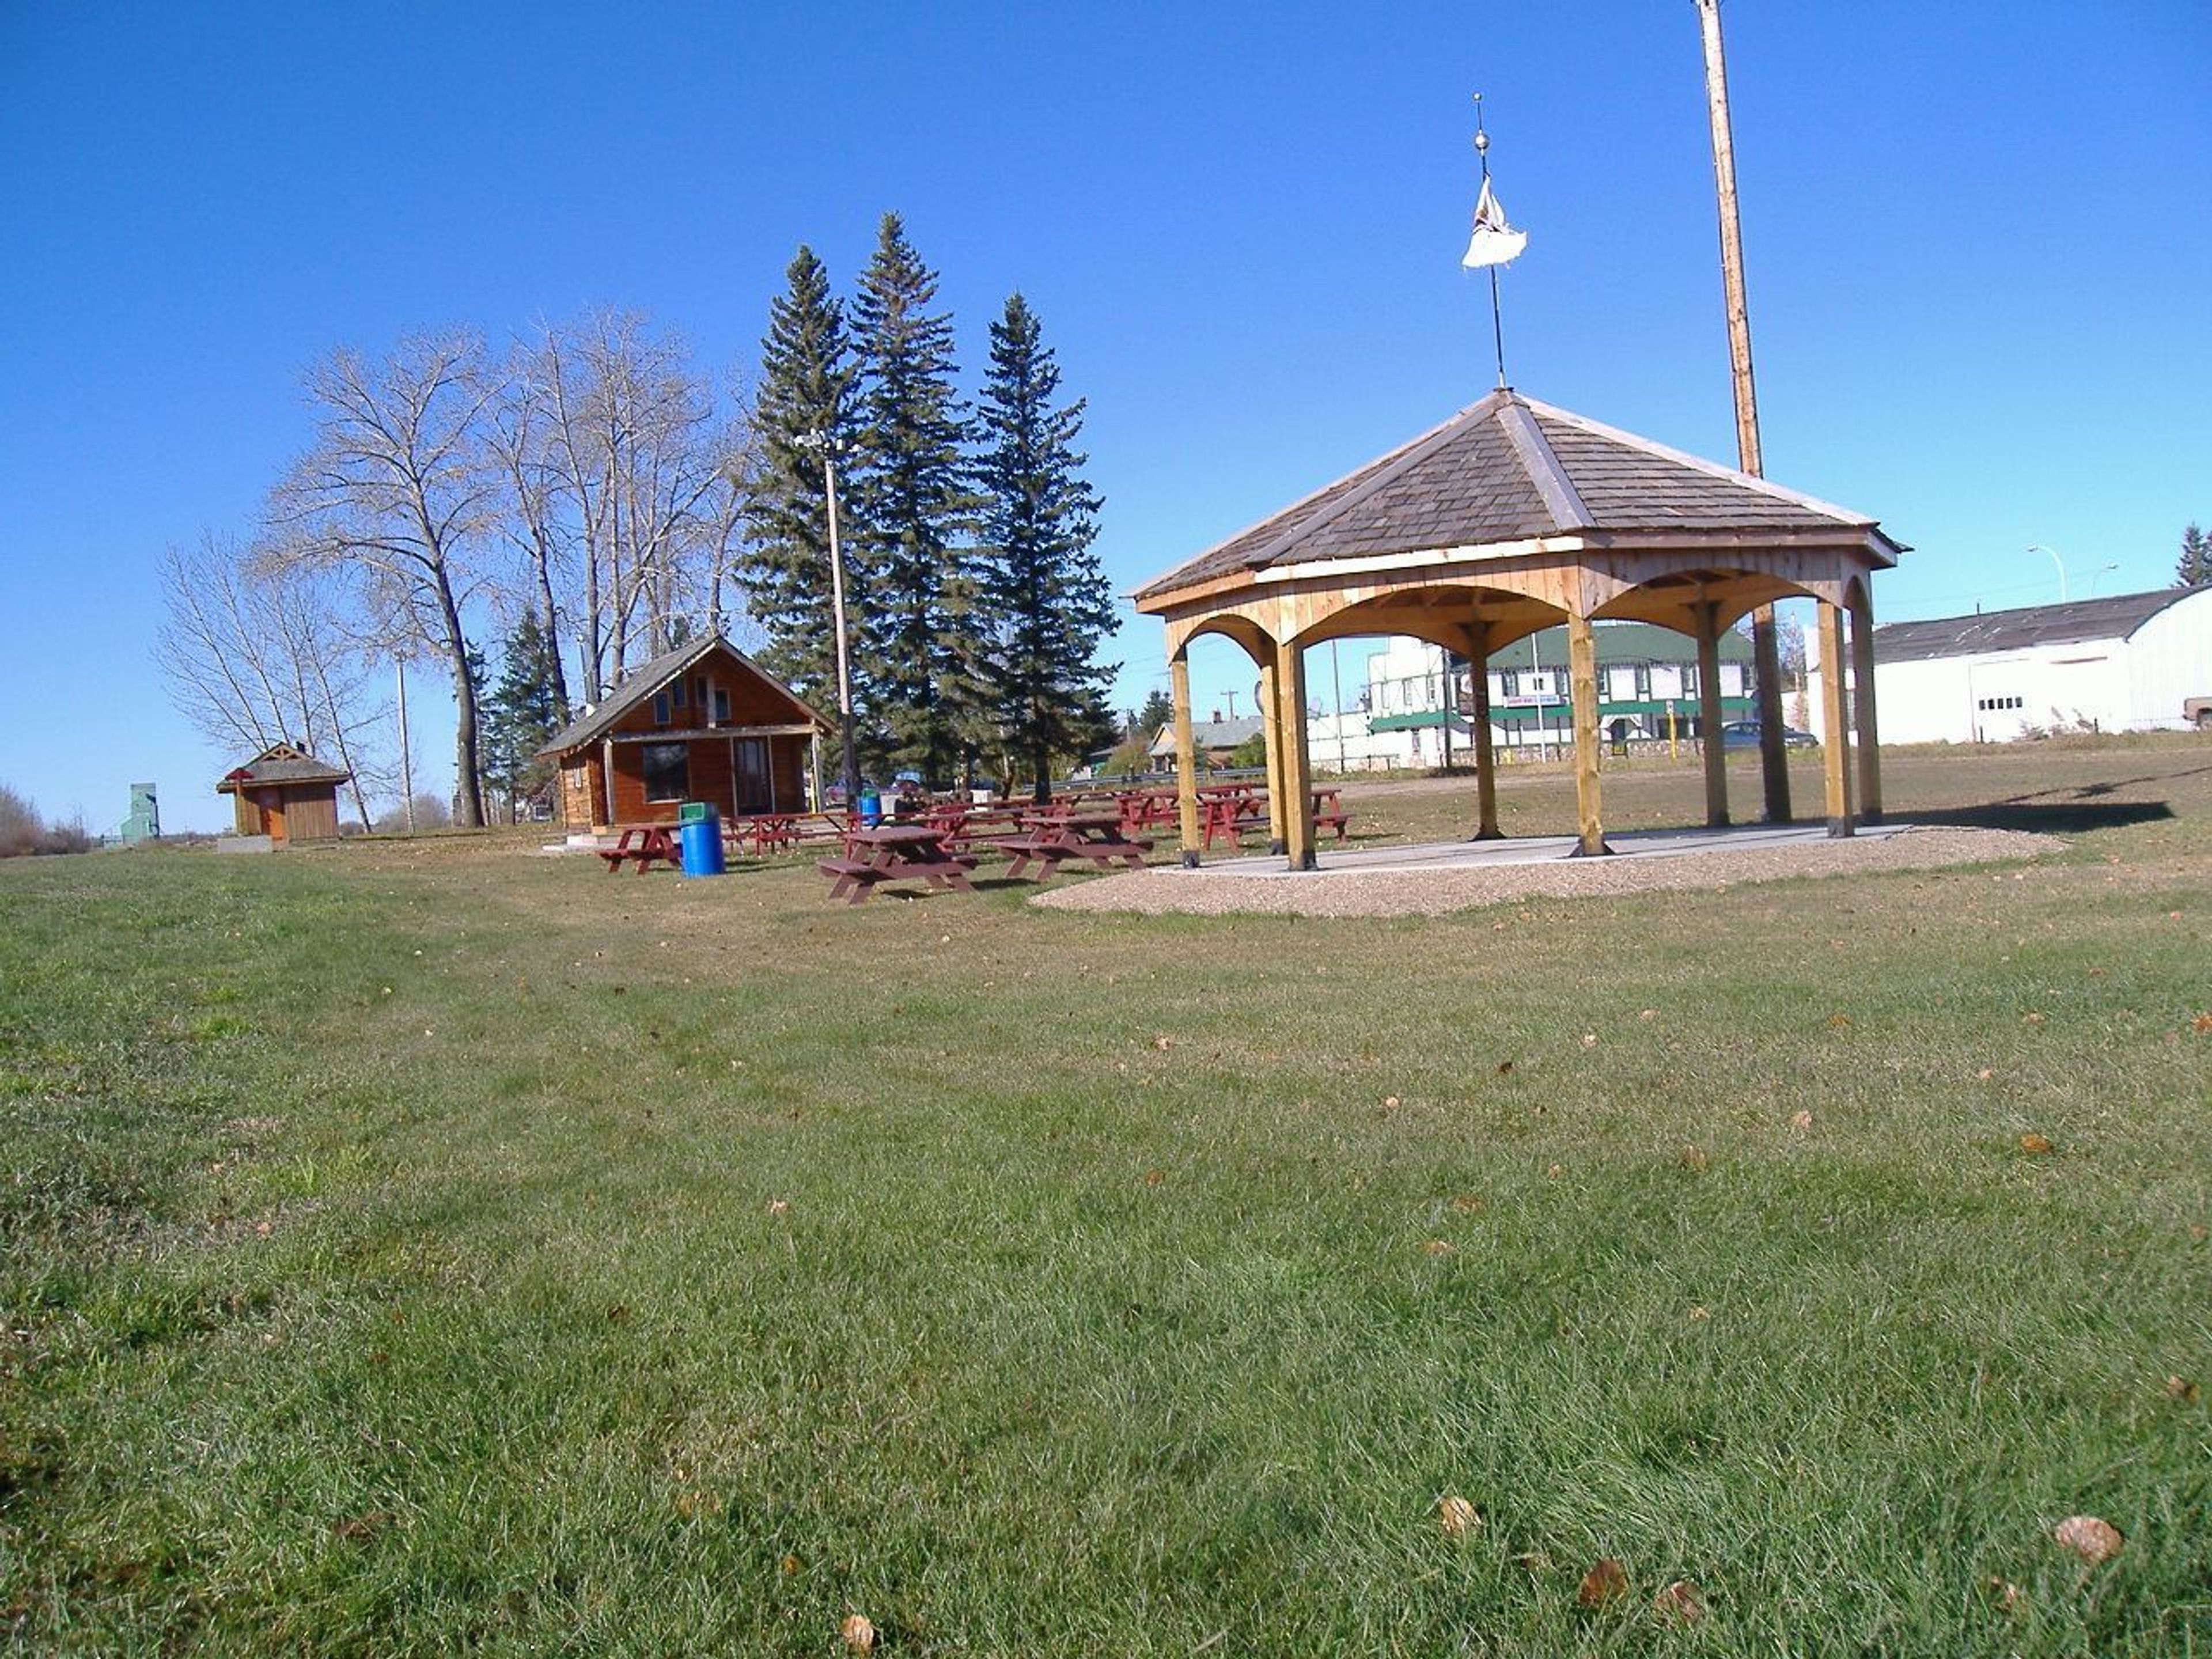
(1869, 739)
(1709, 715)
(1836, 750)
(1486, 757)
(1298, 765)
(1271, 725)
(1581, 689)
(1186, 755)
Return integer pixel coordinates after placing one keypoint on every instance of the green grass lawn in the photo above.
(433, 1249)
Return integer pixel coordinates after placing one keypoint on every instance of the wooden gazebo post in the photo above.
(1296, 769)
(1186, 753)
(1486, 757)
(1709, 714)
(1869, 740)
(1271, 727)
(1582, 691)
(1836, 752)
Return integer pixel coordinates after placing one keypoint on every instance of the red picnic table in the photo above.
(895, 852)
(1053, 838)
(646, 844)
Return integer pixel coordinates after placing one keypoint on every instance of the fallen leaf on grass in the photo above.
(1800, 1121)
(1606, 1581)
(859, 1634)
(1692, 1158)
(1836, 1023)
(1153, 1177)
(1457, 1516)
(1680, 1603)
(1390, 1102)
(1556, 1171)
(1440, 1247)
(1505, 1068)
(2003, 1591)
(1647, 1013)
(1468, 1204)
(2031, 1019)
(362, 1526)
(1590, 1039)
(1983, 1075)
(2088, 1536)
(2035, 1143)
(779, 1207)
(2200, 1024)
(1699, 1313)
(1163, 1043)
(2181, 1388)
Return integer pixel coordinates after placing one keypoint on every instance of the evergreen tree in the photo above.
(522, 711)
(1049, 602)
(912, 513)
(805, 390)
(2196, 564)
(1158, 710)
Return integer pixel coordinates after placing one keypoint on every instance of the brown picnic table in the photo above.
(895, 852)
(644, 844)
(1053, 838)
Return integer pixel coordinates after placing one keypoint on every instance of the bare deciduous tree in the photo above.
(256, 652)
(396, 486)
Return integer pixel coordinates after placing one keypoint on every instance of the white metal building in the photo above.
(2135, 662)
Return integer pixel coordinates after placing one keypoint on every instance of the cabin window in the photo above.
(660, 708)
(679, 694)
(721, 704)
(667, 770)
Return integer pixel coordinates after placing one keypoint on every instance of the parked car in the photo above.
(1744, 734)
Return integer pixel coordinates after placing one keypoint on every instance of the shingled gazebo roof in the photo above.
(1509, 470)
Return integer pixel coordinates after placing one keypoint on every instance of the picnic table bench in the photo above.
(896, 852)
(1053, 838)
(765, 833)
(644, 844)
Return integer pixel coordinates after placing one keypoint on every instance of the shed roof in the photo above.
(2111, 618)
(642, 682)
(279, 763)
(1510, 469)
(1206, 735)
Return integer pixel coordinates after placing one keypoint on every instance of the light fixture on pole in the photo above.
(822, 444)
(2057, 564)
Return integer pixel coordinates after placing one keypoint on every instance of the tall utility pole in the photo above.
(823, 442)
(1765, 644)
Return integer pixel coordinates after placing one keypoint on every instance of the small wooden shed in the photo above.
(285, 793)
(701, 722)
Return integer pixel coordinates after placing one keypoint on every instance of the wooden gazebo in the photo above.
(1510, 517)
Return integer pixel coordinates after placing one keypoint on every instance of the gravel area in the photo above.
(1387, 892)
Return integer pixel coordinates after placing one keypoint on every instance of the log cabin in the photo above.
(703, 722)
(285, 793)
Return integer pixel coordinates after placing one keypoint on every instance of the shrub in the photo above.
(22, 834)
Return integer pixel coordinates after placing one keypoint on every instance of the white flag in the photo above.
(1494, 241)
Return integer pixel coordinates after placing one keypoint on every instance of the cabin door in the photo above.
(752, 784)
(272, 814)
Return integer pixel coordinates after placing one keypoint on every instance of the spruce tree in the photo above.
(1049, 602)
(2196, 562)
(912, 517)
(805, 390)
(522, 711)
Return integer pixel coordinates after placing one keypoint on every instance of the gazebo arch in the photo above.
(1509, 517)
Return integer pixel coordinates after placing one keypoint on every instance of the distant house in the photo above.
(1213, 741)
(2131, 662)
(285, 793)
(703, 722)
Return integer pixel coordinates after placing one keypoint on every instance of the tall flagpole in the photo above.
(1767, 655)
(1497, 317)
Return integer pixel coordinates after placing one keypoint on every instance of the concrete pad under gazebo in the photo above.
(1509, 517)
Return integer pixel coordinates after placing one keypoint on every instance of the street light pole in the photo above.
(827, 447)
(2058, 564)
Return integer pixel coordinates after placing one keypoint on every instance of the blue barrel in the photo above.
(701, 843)
(872, 807)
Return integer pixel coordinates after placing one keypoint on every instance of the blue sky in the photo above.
(1977, 236)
